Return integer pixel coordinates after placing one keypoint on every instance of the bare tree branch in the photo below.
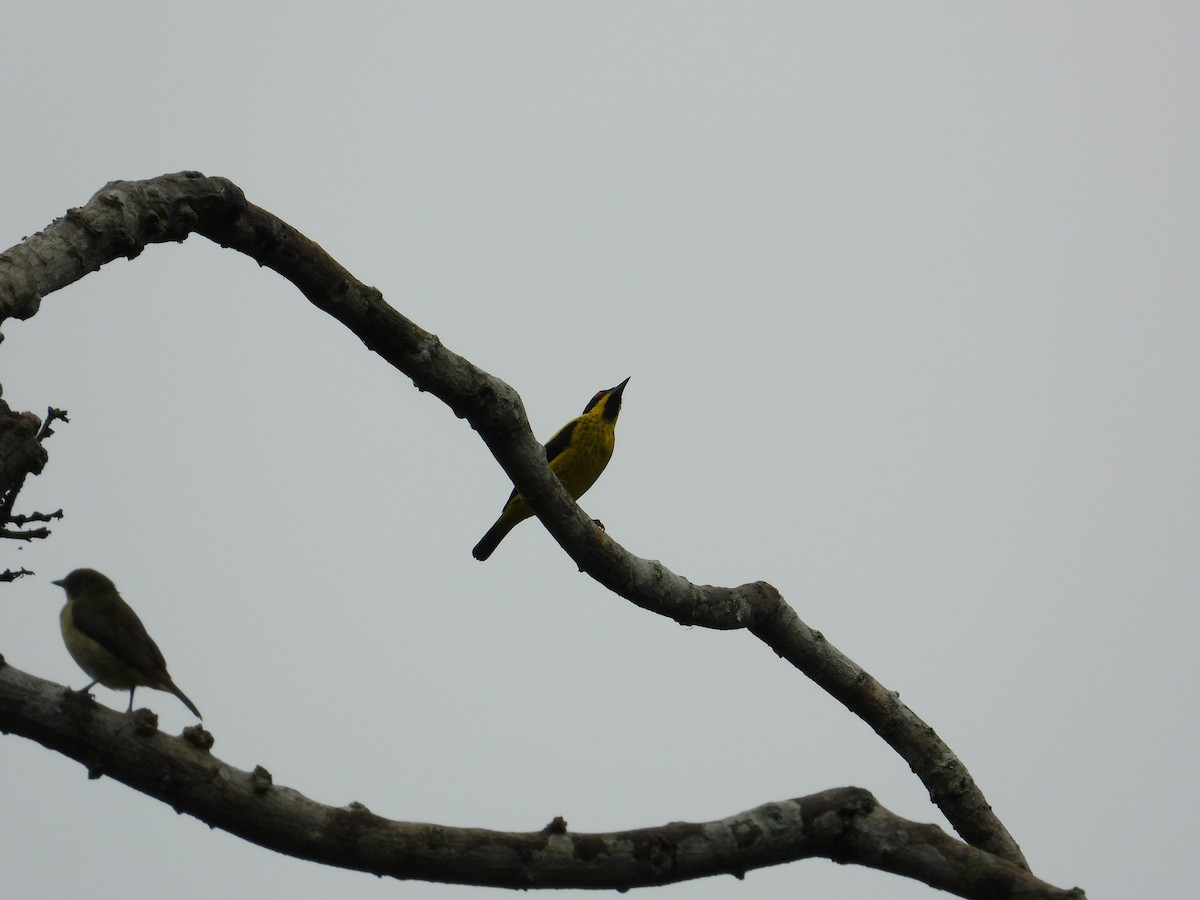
(125, 216)
(846, 825)
(21, 455)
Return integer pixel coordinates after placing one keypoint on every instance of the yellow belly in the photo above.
(97, 662)
(580, 465)
(577, 467)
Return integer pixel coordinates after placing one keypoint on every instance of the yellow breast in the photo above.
(591, 448)
(97, 662)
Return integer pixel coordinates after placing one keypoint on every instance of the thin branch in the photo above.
(125, 216)
(35, 534)
(846, 825)
(52, 415)
(36, 517)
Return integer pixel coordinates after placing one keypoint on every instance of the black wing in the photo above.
(557, 444)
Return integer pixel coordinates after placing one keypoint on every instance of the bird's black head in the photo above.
(608, 401)
(81, 580)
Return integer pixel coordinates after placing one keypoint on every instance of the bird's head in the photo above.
(81, 580)
(607, 404)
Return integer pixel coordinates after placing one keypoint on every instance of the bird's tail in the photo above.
(182, 696)
(490, 541)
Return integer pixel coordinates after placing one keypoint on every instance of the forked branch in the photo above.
(124, 217)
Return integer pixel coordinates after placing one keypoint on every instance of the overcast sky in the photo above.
(908, 295)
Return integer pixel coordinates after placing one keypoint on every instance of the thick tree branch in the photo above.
(843, 824)
(124, 216)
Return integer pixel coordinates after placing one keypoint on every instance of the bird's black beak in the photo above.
(619, 389)
(61, 582)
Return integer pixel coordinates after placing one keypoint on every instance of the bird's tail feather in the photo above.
(490, 541)
(186, 702)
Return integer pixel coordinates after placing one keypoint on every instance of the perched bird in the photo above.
(577, 454)
(109, 641)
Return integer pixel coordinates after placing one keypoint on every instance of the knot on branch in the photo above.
(20, 297)
(128, 215)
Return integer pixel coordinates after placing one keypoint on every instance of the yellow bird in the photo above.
(577, 454)
(109, 641)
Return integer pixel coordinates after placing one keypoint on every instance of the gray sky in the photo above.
(909, 297)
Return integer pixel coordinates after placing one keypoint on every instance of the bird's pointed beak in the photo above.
(60, 582)
(617, 391)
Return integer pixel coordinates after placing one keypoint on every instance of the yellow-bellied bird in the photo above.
(109, 641)
(577, 454)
